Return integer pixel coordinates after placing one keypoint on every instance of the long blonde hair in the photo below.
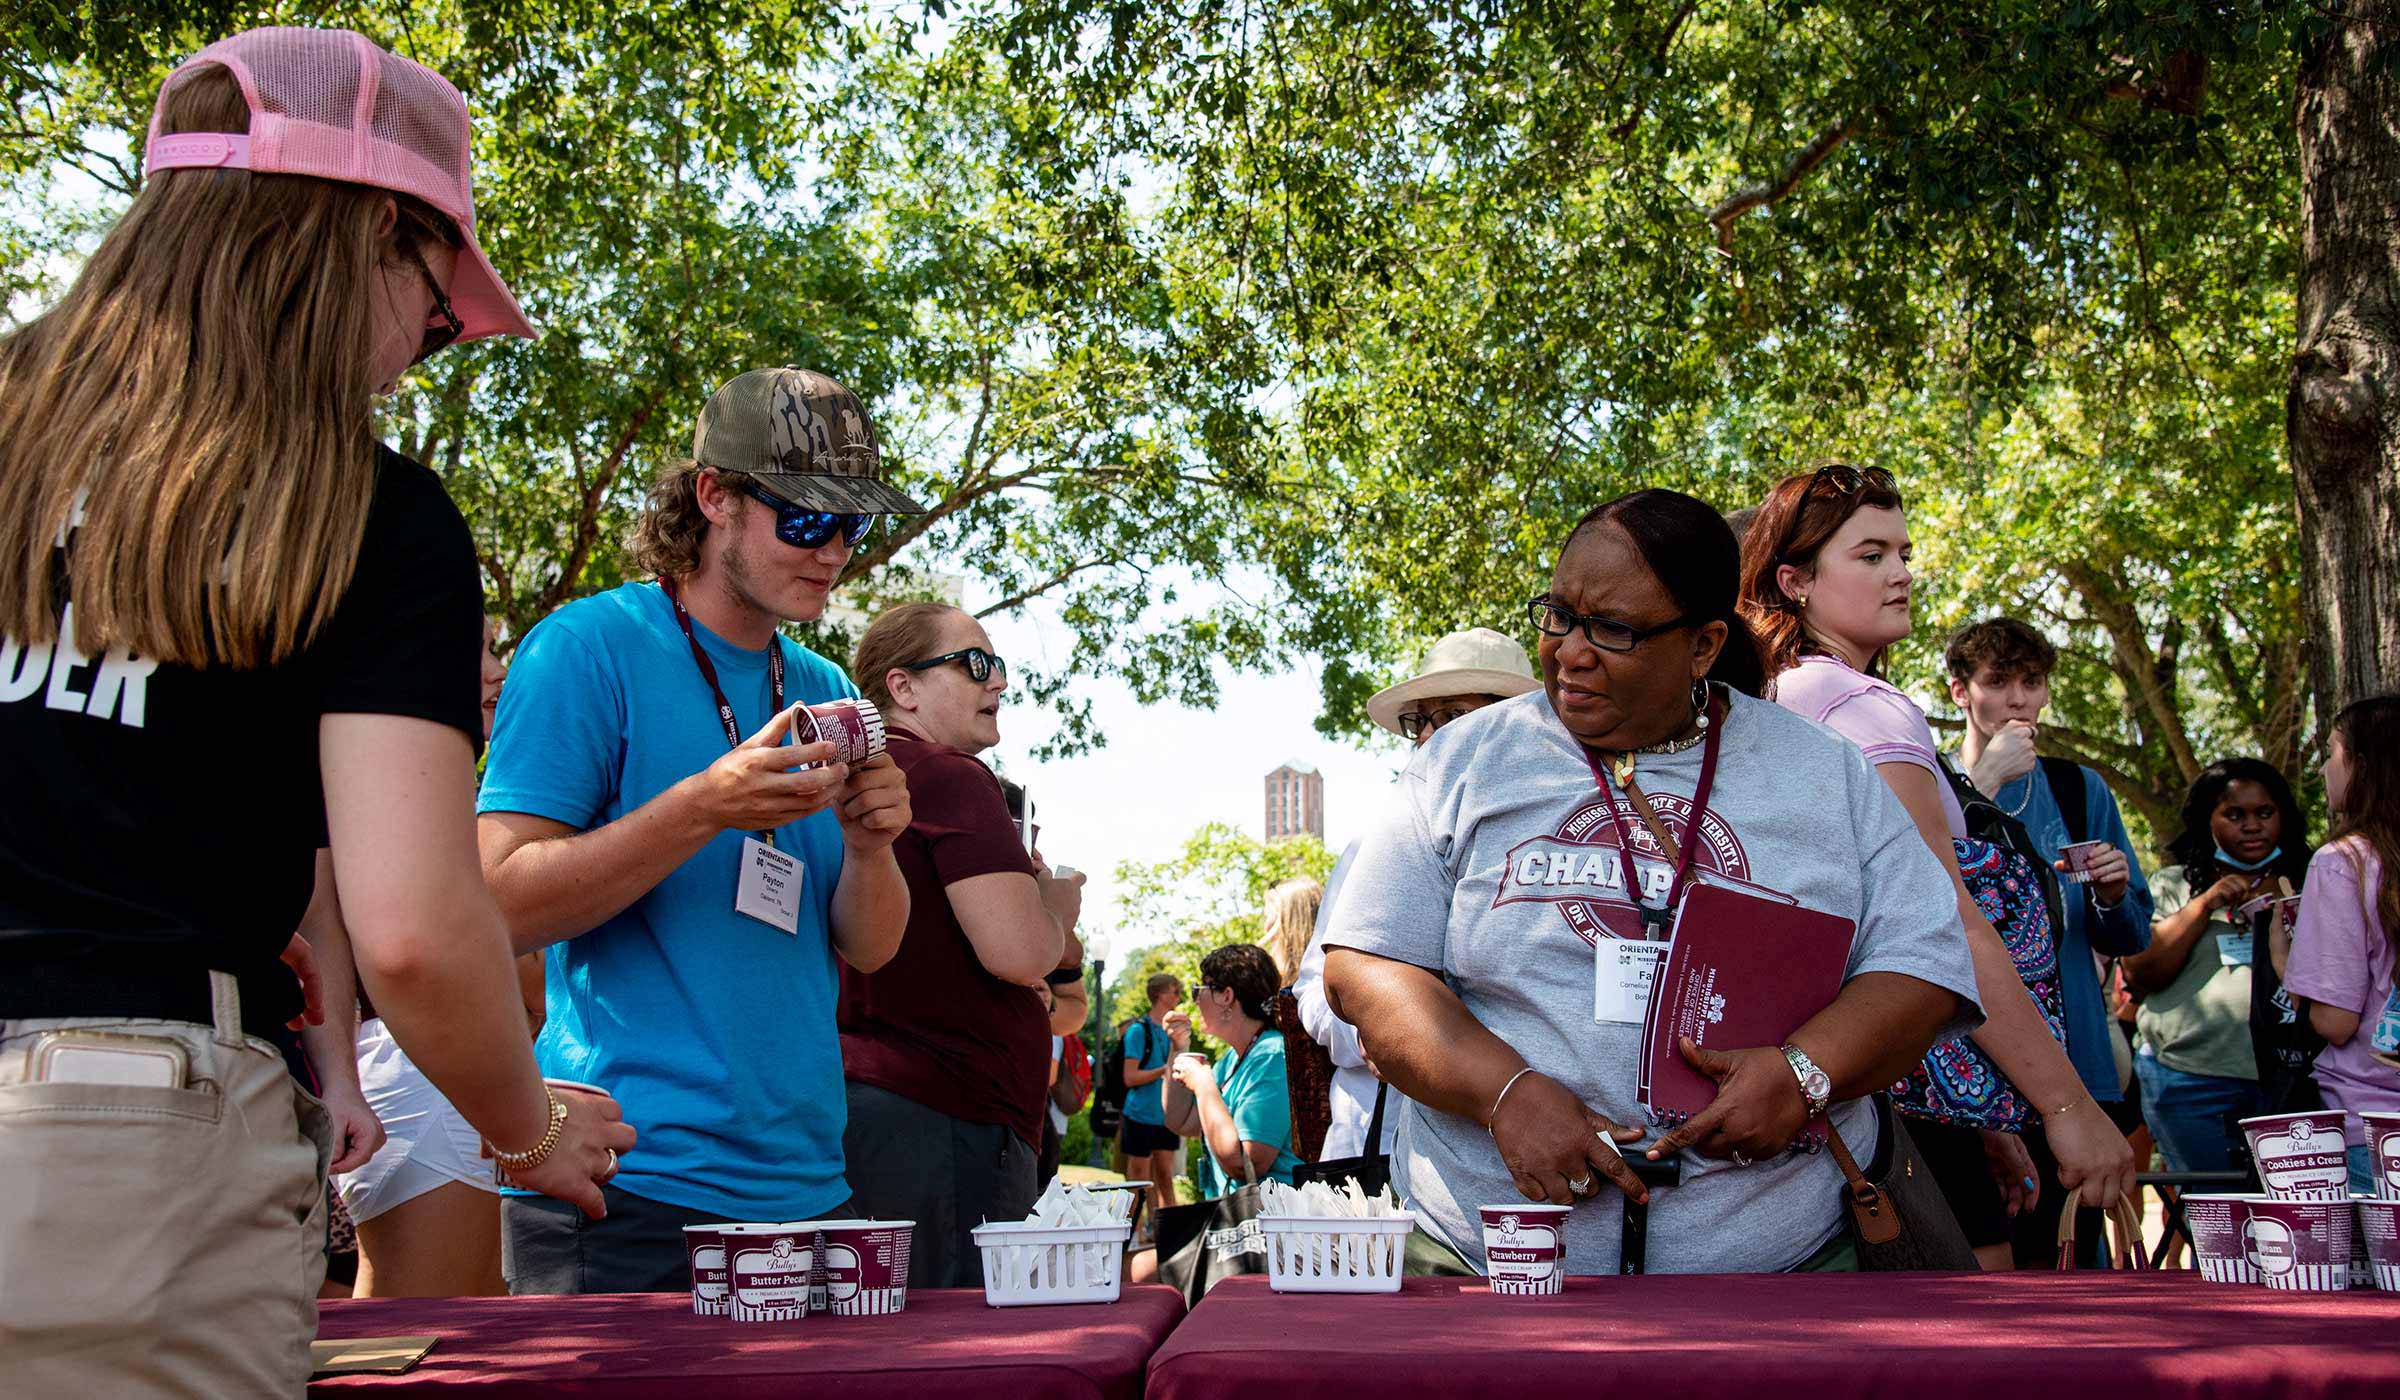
(1290, 922)
(199, 411)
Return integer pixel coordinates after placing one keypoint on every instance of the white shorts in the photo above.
(426, 1144)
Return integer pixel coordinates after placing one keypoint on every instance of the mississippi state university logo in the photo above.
(1580, 870)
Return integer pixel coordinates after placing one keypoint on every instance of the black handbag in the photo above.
(1203, 1244)
(1896, 1211)
(1372, 1172)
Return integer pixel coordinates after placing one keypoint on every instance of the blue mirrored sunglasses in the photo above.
(802, 528)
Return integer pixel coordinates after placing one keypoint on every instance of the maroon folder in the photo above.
(1741, 971)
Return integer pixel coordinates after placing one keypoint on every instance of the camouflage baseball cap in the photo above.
(805, 438)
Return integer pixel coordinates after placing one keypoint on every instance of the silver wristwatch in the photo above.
(1816, 1086)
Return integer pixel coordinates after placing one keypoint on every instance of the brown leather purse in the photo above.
(1897, 1213)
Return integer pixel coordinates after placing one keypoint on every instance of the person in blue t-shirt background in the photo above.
(1152, 1153)
(643, 820)
(2000, 677)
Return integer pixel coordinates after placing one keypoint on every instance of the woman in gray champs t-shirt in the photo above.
(1465, 943)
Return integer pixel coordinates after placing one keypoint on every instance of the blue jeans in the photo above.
(2191, 1116)
(2362, 1171)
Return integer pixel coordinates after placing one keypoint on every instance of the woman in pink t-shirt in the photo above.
(1825, 583)
(2343, 952)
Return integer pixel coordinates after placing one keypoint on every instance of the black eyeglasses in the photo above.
(1851, 481)
(980, 664)
(803, 528)
(1419, 722)
(441, 337)
(1606, 633)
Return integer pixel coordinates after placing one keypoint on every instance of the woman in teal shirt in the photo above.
(1238, 1107)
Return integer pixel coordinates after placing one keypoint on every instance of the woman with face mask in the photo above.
(1826, 583)
(2241, 833)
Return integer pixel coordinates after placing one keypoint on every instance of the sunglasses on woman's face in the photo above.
(980, 664)
(802, 528)
(437, 337)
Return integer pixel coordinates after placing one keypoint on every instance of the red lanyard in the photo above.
(1654, 920)
(708, 672)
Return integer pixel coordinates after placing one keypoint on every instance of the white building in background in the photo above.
(1295, 802)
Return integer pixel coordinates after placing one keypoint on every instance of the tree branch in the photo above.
(1666, 41)
(1020, 599)
(1812, 155)
(595, 496)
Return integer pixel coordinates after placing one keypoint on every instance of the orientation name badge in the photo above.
(770, 885)
(1623, 974)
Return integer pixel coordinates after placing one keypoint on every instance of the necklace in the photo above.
(1693, 740)
(2023, 802)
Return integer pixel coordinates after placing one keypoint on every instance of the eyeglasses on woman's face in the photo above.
(439, 335)
(1606, 633)
(1416, 724)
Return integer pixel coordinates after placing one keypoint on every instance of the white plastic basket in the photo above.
(1027, 1265)
(1336, 1254)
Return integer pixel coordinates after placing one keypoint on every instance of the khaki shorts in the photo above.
(159, 1241)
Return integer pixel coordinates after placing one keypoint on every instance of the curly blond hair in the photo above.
(666, 539)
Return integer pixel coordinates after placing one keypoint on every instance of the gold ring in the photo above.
(612, 1163)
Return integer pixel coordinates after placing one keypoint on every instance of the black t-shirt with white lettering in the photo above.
(164, 820)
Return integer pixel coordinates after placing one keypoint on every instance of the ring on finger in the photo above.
(1739, 1160)
(611, 1169)
(1580, 1186)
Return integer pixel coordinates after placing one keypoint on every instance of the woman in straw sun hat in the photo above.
(1461, 673)
(235, 589)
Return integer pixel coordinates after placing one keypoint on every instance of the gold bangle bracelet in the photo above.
(540, 1151)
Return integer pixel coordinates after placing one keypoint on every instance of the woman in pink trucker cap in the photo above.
(238, 667)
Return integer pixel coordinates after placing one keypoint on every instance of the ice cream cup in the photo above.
(2300, 1246)
(2079, 856)
(865, 1265)
(769, 1269)
(2383, 1149)
(2217, 1223)
(705, 1245)
(2300, 1156)
(2379, 1230)
(853, 727)
(1525, 1249)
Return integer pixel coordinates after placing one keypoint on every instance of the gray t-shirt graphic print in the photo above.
(1497, 866)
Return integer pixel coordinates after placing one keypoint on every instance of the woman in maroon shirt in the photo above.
(947, 1047)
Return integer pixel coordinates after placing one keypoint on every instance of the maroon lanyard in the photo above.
(1654, 920)
(708, 672)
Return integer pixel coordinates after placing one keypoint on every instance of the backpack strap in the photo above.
(2066, 789)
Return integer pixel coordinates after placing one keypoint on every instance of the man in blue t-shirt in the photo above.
(1152, 1153)
(2000, 676)
(646, 821)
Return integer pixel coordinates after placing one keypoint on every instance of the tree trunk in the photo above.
(2342, 408)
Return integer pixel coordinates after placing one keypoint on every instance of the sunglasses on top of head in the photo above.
(803, 528)
(1851, 481)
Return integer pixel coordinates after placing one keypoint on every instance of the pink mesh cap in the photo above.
(329, 103)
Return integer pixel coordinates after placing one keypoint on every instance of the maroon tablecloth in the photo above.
(2122, 1336)
(947, 1344)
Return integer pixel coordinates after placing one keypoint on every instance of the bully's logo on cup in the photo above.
(2301, 1133)
(1581, 870)
(2270, 1247)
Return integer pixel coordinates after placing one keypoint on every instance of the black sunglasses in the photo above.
(1417, 722)
(1851, 481)
(437, 338)
(1606, 633)
(803, 528)
(980, 664)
